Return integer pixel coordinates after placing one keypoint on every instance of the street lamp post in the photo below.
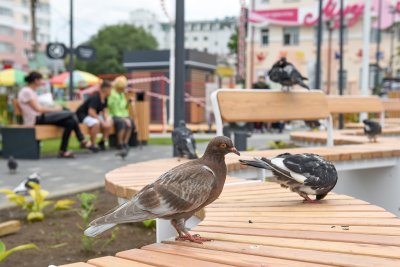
(329, 26)
(341, 81)
(71, 51)
(319, 42)
(377, 55)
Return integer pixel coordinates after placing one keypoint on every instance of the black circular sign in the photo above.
(86, 52)
(56, 50)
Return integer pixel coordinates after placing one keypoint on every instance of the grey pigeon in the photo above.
(24, 187)
(123, 153)
(372, 129)
(177, 194)
(286, 74)
(12, 165)
(184, 142)
(305, 174)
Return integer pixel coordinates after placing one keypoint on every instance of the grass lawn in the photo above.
(50, 147)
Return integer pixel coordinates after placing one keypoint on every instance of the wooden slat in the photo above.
(354, 104)
(225, 257)
(77, 264)
(321, 257)
(330, 246)
(9, 227)
(391, 105)
(249, 105)
(164, 259)
(109, 261)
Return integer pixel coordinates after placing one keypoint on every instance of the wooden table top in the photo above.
(262, 224)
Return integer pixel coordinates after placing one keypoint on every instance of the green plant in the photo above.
(87, 201)
(36, 206)
(4, 253)
(149, 224)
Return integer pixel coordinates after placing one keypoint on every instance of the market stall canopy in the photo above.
(82, 79)
(12, 77)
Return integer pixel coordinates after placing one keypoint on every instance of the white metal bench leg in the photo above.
(261, 174)
(383, 119)
(330, 141)
(166, 231)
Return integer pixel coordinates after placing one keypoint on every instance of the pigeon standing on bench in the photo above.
(24, 187)
(184, 142)
(372, 129)
(286, 74)
(177, 194)
(12, 165)
(305, 174)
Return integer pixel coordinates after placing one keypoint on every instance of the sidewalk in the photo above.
(65, 176)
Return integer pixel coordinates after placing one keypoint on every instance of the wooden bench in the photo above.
(232, 105)
(262, 224)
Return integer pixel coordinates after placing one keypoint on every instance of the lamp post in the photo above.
(377, 55)
(71, 51)
(319, 42)
(329, 26)
(341, 81)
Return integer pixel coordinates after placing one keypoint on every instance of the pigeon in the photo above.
(123, 153)
(286, 74)
(12, 165)
(184, 142)
(372, 129)
(24, 187)
(305, 174)
(176, 195)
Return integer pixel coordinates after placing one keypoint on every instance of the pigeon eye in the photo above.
(222, 146)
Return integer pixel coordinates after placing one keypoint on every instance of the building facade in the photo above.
(210, 36)
(288, 28)
(15, 31)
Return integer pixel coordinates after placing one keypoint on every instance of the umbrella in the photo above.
(81, 79)
(11, 77)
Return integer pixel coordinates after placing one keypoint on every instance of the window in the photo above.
(6, 30)
(264, 36)
(26, 36)
(195, 38)
(290, 1)
(374, 35)
(26, 19)
(215, 43)
(290, 36)
(205, 50)
(265, 1)
(6, 12)
(205, 38)
(25, 3)
(6, 47)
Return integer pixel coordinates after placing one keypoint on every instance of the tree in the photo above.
(233, 42)
(111, 42)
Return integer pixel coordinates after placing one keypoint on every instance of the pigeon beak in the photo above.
(234, 150)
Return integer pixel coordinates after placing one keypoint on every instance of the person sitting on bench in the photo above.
(35, 114)
(118, 107)
(93, 113)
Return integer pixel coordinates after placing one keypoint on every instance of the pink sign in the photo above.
(279, 16)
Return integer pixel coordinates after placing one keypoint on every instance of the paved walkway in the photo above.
(64, 176)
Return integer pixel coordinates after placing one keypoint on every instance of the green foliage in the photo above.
(233, 42)
(150, 224)
(4, 253)
(168, 141)
(279, 145)
(37, 204)
(86, 208)
(111, 42)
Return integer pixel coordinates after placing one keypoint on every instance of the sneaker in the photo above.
(102, 145)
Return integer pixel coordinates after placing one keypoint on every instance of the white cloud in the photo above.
(90, 15)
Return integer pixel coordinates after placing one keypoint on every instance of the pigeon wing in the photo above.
(180, 190)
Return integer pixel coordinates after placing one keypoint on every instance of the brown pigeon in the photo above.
(177, 194)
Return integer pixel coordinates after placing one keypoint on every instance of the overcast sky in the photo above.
(97, 13)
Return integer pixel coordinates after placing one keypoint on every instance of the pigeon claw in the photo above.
(193, 238)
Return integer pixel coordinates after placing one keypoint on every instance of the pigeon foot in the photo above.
(311, 201)
(192, 238)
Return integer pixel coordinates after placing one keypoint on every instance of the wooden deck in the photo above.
(262, 224)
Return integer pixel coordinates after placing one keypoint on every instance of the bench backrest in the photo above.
(73, 105)
(391, 105)
(354, 104)
(238, 105)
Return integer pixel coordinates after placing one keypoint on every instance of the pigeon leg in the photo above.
(184, 234)
(307, 199)
(174, 224)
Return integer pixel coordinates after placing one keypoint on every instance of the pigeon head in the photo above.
(221, 145)
(366, 121)
(182, 123)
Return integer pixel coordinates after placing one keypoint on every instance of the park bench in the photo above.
(24, 141)
(255, 223)
(232, 105)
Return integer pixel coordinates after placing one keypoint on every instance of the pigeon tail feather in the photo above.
(256, 163)
(303, 85)
(95, 230)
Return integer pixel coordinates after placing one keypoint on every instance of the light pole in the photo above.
(377, 55)
(341, 81)
(71, 51)
(329, 26)
(319, 42)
